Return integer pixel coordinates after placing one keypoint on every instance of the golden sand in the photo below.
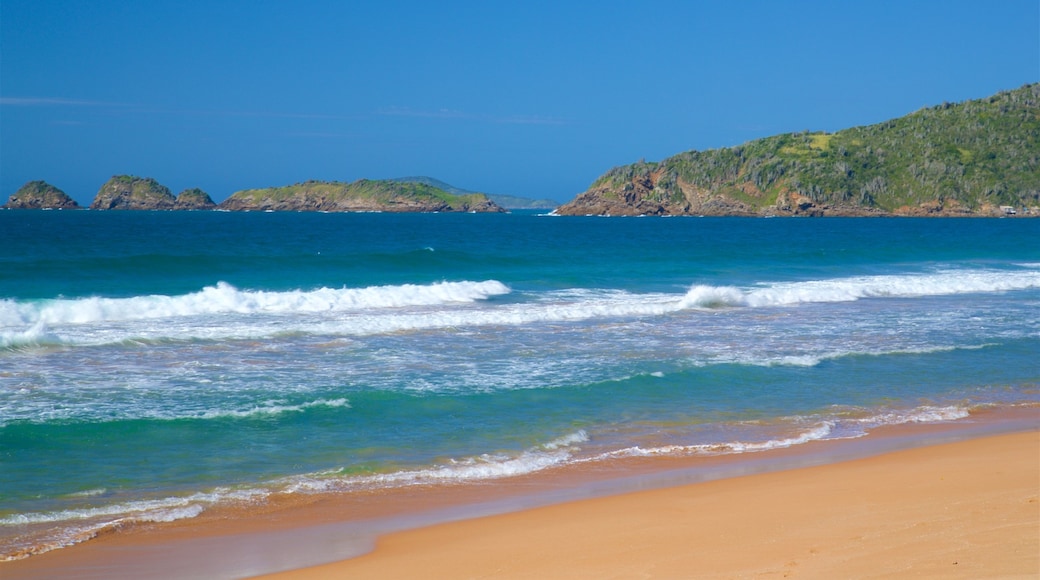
(960, 510)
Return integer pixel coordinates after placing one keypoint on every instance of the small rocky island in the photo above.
(129, 192)
(363, 195)
(40, 195)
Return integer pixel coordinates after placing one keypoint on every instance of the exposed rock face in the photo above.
(194, 198)
(131, 192)
(40, 195)
(359, 196)
(976, 158)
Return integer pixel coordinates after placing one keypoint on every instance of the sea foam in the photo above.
(224, 312)
(856, 288)
(225, 298)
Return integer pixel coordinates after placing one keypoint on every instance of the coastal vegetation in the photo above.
(194, 198)
(505, 201)
(40, 195)
(360, 195)
(132, 192)
(979, 157)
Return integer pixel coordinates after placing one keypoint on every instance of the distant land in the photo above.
(361, 195)
(129, 192)
(975, 158)
(40, 195)
(145, 193)
(506, 201)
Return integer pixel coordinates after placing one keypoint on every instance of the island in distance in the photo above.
(358, 196)
(976, 158)
(412, 194)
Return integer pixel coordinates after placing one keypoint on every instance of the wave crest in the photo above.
(223, 298)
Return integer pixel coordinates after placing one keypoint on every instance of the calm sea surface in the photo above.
(156, 364)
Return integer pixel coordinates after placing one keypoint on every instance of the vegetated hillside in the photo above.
(968, 158)
(361, 195)
(40, 195)
(506, 201)
(132, 192)
(194, 198)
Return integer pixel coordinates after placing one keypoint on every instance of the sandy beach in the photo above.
(960, 510)
(966, 509)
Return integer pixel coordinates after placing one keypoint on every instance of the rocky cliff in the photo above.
(131, 192)
(976, 158)
(359, 196)
(40, 195)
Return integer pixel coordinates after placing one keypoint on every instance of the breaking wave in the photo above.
(860, 287)
(225, 298)
(224, 312)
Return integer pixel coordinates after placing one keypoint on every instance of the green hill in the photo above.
(361, 195)
(129, 192)
(40, 195)
(968, 158)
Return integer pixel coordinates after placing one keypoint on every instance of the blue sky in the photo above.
(526, 98)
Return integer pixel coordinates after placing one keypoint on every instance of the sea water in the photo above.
(154, 365)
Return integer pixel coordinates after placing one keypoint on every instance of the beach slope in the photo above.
(959, 510)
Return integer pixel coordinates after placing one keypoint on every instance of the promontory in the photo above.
(975, 158)
(358, 196)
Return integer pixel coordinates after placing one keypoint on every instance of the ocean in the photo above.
(156, 365)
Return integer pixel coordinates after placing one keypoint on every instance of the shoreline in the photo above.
(962, 509)
(303, 532)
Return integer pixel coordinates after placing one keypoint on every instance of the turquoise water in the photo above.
(155, 364)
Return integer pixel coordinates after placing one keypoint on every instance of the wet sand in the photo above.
(967, 509)
(902, 502)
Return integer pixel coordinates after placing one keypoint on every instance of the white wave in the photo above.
(36, 335)
(823, 430)
(89, 492)
(570, 440)
(924, 414)
(483, 467)
(223, 312)
(225, 298)
(838, 426)
(271, 408)
(141, 510)
(860, 287)
(64, 537)
(907, 286)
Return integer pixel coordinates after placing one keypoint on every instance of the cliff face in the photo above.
(359, 196)
(194, 198)
(40, 195)
(976, 158)
(136, 193)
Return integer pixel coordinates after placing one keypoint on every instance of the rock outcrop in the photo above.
(40, 195)
(360, 196)
(133, 193)
(194, 199)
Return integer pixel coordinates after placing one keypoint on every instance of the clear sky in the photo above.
(527, 98)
